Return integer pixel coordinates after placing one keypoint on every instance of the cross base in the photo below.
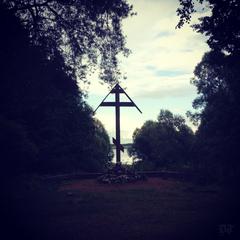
(120, 175)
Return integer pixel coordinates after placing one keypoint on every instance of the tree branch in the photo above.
(30, 6)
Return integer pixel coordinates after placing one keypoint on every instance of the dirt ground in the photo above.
(156, 209)
(91, 185)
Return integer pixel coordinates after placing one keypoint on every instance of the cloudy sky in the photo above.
(158, 70)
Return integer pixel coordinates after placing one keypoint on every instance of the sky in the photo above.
(158, 70)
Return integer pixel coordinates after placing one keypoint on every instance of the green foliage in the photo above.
(87, 34)
(17, 150)
(217, 81)
(221, 27)
(47, 125)
(165, 143)
(216, 147)
(100, 152)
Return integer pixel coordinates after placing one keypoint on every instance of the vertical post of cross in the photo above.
(117, 90)
(117, 111)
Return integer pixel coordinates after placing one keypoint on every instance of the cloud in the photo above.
(171, 87)
(163, 34)
(158, 49)
(167, 73)
(161, 64)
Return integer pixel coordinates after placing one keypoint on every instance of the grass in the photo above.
(181, 211)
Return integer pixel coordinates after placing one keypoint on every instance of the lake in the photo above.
(125, 158)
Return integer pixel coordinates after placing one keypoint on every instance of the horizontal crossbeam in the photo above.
(120, 104)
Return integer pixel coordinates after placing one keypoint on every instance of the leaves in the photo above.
(217, 80)
(223, 26)
(86, 33)
(165, 143)
(46, 126)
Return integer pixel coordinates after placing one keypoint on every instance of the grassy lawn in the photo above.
(167, 209)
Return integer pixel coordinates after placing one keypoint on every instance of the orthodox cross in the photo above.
(117, 90)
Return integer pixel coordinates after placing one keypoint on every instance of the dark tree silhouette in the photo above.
(221, 27)
(165, 143)
(217, 81)
(45, 123)
(87, 33)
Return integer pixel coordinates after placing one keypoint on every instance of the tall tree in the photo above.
(45, 123)
(217, 81)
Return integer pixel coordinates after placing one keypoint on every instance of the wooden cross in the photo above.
(117, 90)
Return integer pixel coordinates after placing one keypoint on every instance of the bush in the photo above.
(18, 152)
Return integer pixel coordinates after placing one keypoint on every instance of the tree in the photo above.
(165, 143)
(217, 81)
(46, 46)
(218, 112)
(85, 33)
(100, 151)
(221, 27)
(45, 123)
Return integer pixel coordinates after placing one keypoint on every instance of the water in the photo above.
(125, 158)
